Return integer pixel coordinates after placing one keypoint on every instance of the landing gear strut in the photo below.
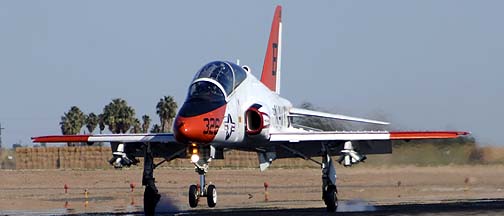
(329, 190)
(151, 194)
(201, 189)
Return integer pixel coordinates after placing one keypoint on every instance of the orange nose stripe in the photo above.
(201, 128)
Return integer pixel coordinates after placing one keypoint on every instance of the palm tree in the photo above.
(166, 109)
(146, 123)
(156, 129)
(118, 116)
(91, 122)
(65, 125)
(71, 122)
(101, 123)
(135, 127)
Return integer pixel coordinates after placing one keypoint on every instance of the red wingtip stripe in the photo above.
(407, 135)
(63, 138)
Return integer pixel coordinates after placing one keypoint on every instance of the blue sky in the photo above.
(424, 65)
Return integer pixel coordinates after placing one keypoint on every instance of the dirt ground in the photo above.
(42, 191)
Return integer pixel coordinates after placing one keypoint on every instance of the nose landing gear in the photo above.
(202, 189)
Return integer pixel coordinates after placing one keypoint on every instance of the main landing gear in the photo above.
(348, 157)
(329, 190)
(201, 189)
(151, 194)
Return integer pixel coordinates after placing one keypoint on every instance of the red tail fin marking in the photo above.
(271, 67)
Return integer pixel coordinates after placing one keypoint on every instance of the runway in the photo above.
(444, 208)
(450, 190)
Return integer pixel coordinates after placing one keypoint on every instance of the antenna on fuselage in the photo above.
(237, 61)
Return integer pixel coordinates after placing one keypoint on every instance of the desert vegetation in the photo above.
(118, 117)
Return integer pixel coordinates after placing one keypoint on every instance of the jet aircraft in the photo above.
(227, 107)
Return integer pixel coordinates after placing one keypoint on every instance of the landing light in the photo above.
(194, 158)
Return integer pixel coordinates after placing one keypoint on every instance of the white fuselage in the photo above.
(249, 114)
(248, 93)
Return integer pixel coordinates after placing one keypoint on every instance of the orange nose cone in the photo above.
(188, 130)
(201, 128)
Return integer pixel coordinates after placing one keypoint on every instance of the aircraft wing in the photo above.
(301, 136)
(351, 146)
(121, 138)
(304, 112)
(126, 146)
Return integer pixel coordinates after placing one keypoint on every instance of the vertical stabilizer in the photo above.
(271, 69)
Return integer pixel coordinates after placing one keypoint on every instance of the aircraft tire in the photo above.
(331, 199)
(151, 198)
(211, 196)
(193, 196)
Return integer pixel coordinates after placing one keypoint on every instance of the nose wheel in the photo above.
(210, 193)
(211, 196)
(193, 196)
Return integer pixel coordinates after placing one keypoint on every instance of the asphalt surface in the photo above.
(444, 208)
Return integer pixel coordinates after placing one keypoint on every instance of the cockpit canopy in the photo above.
(211, 86)
(227, 74)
